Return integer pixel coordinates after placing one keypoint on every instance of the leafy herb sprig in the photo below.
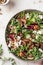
(4, 59)
(1, 50)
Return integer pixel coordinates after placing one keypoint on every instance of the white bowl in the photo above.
(5, 3)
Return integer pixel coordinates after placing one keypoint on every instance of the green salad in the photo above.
(24, 35)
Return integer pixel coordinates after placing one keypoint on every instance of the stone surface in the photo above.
(9, 10)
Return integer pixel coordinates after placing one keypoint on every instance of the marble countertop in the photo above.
(9, 10)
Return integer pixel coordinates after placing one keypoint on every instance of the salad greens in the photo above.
(4, 59)
(1, 50)
(33, 18)
(11, 60)
(41, 26)
(21, 40)
(36, 53)
(39, 38)
(22, 14)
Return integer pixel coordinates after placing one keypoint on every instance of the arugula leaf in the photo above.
(36, 53)
(22, 14)
(41, 26)
(33, 18)
(39, 38)
(1, 50)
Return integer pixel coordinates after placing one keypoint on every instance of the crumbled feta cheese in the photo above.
(27, 15)
(40, 16)
(33, 40)
(9, 45)
(34, 32)
(40, 50)
(40, 31)
(16, 44)
(26, 26)
(36, 36)
(18, 37)
(19, 42)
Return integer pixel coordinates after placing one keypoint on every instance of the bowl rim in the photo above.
(27, 10)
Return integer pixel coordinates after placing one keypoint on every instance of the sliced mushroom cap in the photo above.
(36, 44)
(31, 46)
(30, 57)
(22, 21)
(33, 35)
(27, 41)
(23, 43)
